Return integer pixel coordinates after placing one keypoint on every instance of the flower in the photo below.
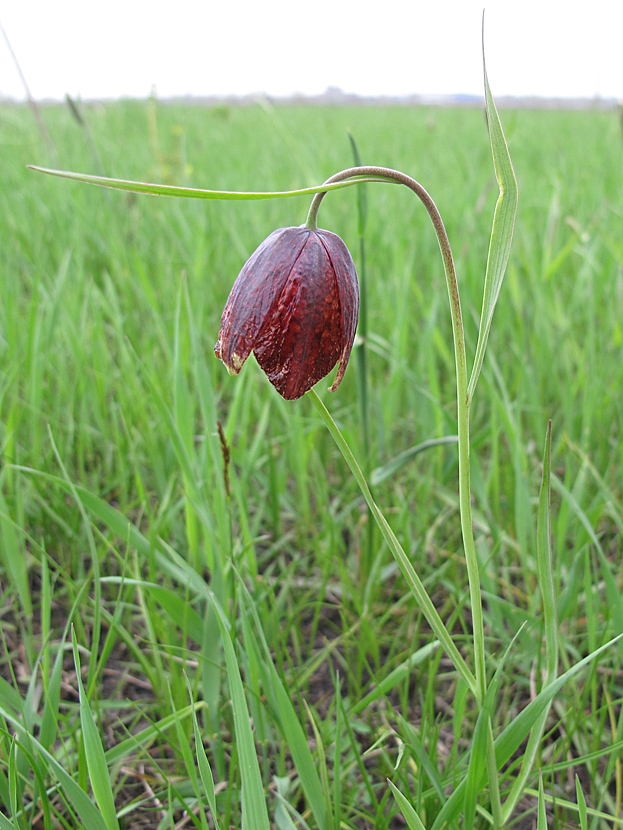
(295, 304)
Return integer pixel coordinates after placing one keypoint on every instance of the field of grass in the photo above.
(200, 625)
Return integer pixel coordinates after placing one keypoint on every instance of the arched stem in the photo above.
(394, 176)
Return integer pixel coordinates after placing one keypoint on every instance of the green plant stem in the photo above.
(415, 583)
(382, 173)
(362, 392)
(362, 359)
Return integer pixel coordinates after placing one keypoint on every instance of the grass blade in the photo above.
(5, 824)
(94, 753)
(615, 599)
(511, 737)
(428, 768)
(289, 721)
(545, 561)
(581, 804)
(476, 766)
(379, 474)
(411, 817)
(205, 770)
(254, 811)
(12, 551)
(541, 822)
(168, 560)
(80, 801)
(395, 677)
(546, 582)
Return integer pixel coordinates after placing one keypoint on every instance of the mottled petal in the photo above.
(302, 340)
(348, 290)
(255, 294)
(295, 304)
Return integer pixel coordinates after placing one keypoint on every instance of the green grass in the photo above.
(193, 611)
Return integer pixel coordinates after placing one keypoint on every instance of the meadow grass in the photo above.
(149, 601)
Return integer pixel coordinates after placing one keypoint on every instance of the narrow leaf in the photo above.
(546, 582)
(254, 811)
(289, 721)
(121, 750)
(5, 824)
(511, 737)
(395, 677)
(94, 752)
(501, 231)
(545, 561)
(404, 563)
(541, 822)
(581, 804)
(381, 473)
(477, 763)
(80, 801)
(615, 599)
(205, 770)
(427, 767)
(196, 193)
(411, 817)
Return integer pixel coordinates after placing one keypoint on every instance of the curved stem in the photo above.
(389, 175)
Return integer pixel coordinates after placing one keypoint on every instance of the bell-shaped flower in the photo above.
(295, 304)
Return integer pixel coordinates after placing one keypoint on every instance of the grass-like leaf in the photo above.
(205, 770)
(548, 595)
(581, 804)
(5, 824)
(9, 696)
(427, 767)
(12, 551)
(413, 580)
(79, 800)
(501, 231)
(94, 753)
(414, 822)
(379, 474)
(511, 737)
(197, 193)
(168, 560)
(254, 811)
(477, 763)
(615, 599)
(288, 719)
(545, 561)
(580, 807)
(395, 677)
(541, 822)
(185, 750)
(14, 789)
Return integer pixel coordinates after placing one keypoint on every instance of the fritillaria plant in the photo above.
(295, 305)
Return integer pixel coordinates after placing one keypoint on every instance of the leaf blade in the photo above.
(501, 230)
(194, 192)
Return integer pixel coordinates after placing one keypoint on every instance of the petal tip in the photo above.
(234, 363)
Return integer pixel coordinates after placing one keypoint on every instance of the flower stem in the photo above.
(408, 571)
(463, 403)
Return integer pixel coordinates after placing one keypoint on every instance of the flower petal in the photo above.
(295, 304)
(302, 340)
(255, 293)
(348, 290)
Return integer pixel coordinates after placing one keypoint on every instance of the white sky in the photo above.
(90, 49)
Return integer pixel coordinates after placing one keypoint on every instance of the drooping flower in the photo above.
(295, 304)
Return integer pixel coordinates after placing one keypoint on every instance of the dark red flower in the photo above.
(295, 304)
